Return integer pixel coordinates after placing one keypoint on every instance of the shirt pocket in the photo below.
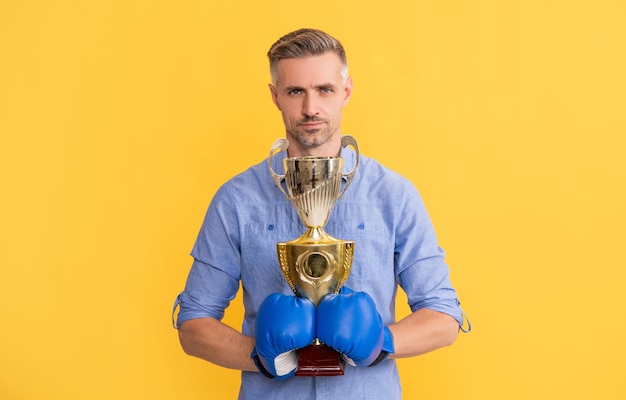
(373, 249)
(260, 266)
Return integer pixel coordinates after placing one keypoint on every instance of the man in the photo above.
(381, 212)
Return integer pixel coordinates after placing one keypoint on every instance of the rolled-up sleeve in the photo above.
(420, 266)
(197, 302)
(429, 287)
(214, 277)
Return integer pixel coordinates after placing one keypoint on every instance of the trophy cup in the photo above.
(315, 264)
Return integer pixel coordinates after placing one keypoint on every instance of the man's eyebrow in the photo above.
(290, 88)
(320, 86)
(325, 85)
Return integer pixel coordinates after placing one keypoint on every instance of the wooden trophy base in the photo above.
(319, 360)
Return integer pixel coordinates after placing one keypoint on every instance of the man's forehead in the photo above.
(315, 70)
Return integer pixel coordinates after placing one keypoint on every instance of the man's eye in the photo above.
(326, 90)
(294, 92)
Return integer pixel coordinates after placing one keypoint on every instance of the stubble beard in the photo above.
(311, 138)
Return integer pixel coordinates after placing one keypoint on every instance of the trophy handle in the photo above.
(348, 140)
(280, 144)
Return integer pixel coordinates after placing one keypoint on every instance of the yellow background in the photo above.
(119, 120)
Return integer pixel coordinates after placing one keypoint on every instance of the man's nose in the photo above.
(309, 106)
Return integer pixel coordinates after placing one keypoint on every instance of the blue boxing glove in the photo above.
(283, 325)
(349, 323)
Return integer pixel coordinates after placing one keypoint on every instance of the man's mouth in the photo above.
(315, 124)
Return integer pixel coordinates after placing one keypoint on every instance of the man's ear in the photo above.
(347, 87)
(274, 96)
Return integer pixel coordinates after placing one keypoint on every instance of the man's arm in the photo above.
(216, 342)
(422, 331)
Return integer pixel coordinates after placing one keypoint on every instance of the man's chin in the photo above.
(310, 139)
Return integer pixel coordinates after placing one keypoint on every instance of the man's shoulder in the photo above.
(374, 171)
(251, 174)
(249, 184)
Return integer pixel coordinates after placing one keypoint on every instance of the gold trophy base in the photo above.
(319, 360)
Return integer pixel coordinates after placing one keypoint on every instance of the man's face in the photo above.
(310, 93)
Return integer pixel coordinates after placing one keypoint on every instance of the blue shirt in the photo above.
(395, 245)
